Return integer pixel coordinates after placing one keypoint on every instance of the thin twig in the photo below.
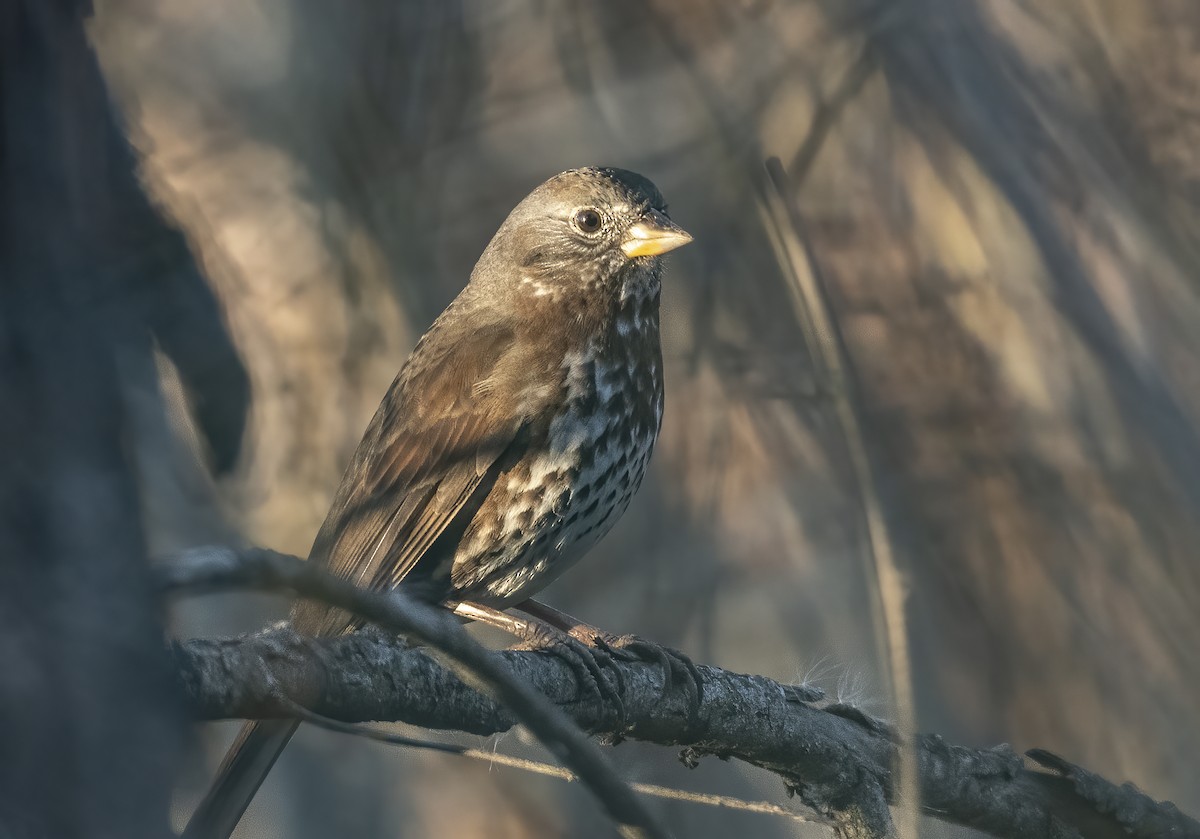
(539, 767)
(827, 112)
(224, 568)
(828, 348)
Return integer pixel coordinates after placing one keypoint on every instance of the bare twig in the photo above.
(537, 767)
(826, 115)
(223, 568)
(829, 349)
(837, 759)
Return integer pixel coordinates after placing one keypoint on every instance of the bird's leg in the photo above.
(536, 634)
(674, 664)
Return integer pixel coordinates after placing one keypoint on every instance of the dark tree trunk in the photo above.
(89, 274)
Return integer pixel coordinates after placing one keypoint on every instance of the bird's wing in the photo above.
(433, 451)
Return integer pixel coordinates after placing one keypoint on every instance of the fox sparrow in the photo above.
(514, 436)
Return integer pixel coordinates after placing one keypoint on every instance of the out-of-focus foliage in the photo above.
(1002, 197)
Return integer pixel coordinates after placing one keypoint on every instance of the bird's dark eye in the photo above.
(588, 221)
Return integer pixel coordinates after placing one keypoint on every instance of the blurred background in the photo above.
(1001, 198)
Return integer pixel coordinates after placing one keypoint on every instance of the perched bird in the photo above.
(514, 436)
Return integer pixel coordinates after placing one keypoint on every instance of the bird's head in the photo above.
(585, 230)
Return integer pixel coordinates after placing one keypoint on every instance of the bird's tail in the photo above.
(246, 763)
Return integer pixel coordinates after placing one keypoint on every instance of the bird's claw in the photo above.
(588, 663)
(676, 666)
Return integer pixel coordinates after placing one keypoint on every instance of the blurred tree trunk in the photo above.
(88, 274)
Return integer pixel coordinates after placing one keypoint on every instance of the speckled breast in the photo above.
(557, 502)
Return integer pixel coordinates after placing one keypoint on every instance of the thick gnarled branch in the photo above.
(216, 568)
(838, 760)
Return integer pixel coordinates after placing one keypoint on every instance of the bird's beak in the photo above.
(652, 235)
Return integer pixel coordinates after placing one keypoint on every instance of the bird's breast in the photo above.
(579, 474)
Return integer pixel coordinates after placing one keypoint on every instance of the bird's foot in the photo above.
(676, 666)
(588, 663)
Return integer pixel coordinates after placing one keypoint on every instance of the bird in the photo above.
(513, 437)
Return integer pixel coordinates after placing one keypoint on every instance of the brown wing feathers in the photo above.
(410, 485)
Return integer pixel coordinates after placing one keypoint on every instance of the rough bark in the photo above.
(836, 758)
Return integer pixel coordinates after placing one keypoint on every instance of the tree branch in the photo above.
(221, 568)
(836, 758)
